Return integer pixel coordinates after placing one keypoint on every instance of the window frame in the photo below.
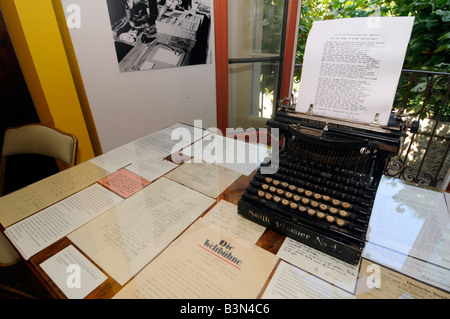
(286, 58)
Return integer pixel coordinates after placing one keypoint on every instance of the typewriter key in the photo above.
(340, 222)
(265, 187)
(320, 215)
(330, 219)
(284, 184)
(326, 198)
(311, 212)
(268, 180)
(268, 196)
(305, 201)
(296, 198)
(333, 210)
(300, 190)
(276, 199)
(335, 202)
(314, 204)
(276, 182)
(343, 213)
(261, 193)
(288, 195)
(293, 205)
(272, 189)
(280, 191)
(317, 196)
(292, 188)
(323, 207)
(302, 208)
(308, 193)
(346, 205)
(284, 202)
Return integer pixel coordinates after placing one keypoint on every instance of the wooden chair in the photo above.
(34, 139)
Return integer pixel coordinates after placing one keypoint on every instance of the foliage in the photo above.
(428, 49)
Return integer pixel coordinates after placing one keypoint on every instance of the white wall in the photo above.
(129, 105)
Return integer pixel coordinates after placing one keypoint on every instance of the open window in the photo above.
(262, 36)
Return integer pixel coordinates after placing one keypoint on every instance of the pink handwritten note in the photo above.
(124, 183)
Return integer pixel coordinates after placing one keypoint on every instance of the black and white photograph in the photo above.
(157, 34)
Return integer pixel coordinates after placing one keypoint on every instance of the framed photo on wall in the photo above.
(156, 34)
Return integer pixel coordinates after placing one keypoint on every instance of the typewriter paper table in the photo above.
(407, 248)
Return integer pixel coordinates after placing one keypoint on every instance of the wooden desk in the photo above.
(269, 241)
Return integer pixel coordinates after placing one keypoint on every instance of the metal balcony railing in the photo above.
(423, 158)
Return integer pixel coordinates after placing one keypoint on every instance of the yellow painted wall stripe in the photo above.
(76, 74)
(39, 48)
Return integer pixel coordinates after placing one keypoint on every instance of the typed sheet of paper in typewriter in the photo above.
(351, 67)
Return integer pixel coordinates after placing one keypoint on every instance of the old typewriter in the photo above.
(328, 174)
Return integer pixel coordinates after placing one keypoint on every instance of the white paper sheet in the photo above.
(40, 230)
(425, 272)
(230, 153)
(290, 282)
(411, 220)
(209, 179)
(379, 282)
(31, 199)
(157, 145)
(224, 219)
(146, 65)
(127, 237)
(151, 168)
(123, 156)
(73, 273)
(324, 266)
(166, 56)
(352, 66)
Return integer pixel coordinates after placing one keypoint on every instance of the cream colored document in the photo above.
(209, 179)
(290, 282)
(225, 219)
(378, 282)
(428, 273)
(127, 237)
(37, 196)
(203, 263)
(324, 266)
(44, 228)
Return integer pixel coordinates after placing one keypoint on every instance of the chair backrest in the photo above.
(8, 255)
(38, 139)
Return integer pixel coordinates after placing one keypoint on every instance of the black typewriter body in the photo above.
(324, 189)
